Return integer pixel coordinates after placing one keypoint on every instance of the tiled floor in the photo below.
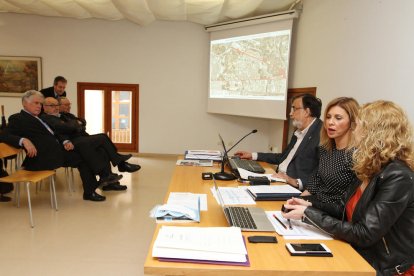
(84, 237)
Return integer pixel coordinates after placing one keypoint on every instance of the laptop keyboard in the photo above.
(249, 165)
(241, 217)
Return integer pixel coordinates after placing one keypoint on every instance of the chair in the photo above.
(27, 177)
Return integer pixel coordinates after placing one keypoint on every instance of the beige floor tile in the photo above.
(83, 237)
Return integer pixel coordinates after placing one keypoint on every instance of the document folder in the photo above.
(274, 192)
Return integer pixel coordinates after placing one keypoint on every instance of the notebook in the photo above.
(247, 218)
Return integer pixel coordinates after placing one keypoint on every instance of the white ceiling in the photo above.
(143, 12)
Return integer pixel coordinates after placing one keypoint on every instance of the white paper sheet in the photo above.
(234, 196)
(300, 231)
(244, 174)
(188, 199)
(273, 189)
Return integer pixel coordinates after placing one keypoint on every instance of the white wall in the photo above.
(357, 48)
(169, 60)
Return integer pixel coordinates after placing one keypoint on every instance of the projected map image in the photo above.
(251, 67)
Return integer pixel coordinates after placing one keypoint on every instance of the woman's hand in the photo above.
(295, 211)
(298, 201)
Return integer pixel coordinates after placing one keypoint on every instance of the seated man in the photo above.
(80, 125)
(301, 157)
(91, 148)
(43, 150)
(86, 145)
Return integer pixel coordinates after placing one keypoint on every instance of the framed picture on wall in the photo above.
(19, 74)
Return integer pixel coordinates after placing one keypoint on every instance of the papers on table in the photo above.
(198, 163)
(234, 196)
(244, 174)
(214, 155)
(215, 244)
(299, 231)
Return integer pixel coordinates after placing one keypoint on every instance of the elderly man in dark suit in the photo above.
(101, 139)
(57, 90)
(43, 150)
(301, 156)
(97, 150)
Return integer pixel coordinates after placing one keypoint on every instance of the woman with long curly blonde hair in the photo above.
(379, 206)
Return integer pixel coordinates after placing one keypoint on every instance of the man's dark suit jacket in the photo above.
(50, 153)
(87, 147)
(50, 92)
(306, 158)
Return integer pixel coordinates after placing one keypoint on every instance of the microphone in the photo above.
(251, 132)
(222, 175)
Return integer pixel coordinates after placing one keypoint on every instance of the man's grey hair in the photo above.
(27, 96)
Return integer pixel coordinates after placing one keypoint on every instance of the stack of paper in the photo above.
(198, 163)
(217, 245)
(214, 155)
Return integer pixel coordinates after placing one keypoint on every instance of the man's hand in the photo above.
(68, 146)
(31, 150)
(289, 180)
(244, 154)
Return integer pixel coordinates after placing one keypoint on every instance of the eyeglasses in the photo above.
(293, 109)
(51, 105)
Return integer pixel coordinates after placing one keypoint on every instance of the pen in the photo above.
(290, 225)
(284, 225)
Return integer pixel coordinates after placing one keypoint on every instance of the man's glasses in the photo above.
(51, 105)
(293, 109)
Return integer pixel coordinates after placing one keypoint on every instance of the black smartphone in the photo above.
(262, 239)
(308, 249)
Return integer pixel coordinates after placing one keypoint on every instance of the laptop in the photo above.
(235, 163)
(247, 218)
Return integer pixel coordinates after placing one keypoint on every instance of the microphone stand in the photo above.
(222, 175)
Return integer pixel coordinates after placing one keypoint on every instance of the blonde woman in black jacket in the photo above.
(377, 212)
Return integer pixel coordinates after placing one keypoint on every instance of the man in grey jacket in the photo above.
(301, 156)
